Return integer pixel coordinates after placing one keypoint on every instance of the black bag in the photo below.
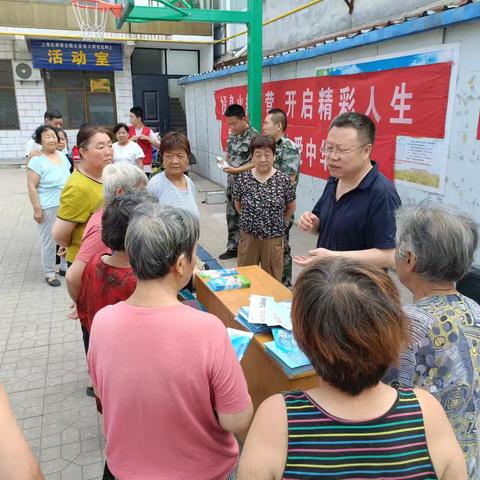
(469, 285)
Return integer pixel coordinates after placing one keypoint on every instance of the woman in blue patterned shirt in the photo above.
(435, 249)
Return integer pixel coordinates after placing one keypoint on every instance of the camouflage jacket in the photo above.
(238, 147)
(287, 158)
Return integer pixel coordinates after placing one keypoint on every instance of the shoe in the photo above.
(62, 273)
(228, 254)
(53, 282)
(90, 392)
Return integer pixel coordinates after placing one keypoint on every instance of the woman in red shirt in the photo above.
(109, 279)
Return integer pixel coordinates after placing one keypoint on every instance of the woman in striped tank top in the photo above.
(348, 320)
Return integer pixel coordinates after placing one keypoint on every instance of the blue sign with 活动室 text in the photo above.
(76, 55)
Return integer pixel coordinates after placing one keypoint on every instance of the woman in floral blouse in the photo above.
(265, 200)
(435, 249)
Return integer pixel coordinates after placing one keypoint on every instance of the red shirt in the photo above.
(143, 144)
(102, 285)
(76, 154)
(92, 243)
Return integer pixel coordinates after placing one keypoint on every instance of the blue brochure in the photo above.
(292, 363)
(285, 340)
(240, 341)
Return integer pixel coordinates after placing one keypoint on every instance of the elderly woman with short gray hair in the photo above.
(172, 390)
(435, 249)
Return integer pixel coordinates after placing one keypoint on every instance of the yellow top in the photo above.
(80, 198)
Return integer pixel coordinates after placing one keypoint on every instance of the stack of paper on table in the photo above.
(242, 318)
(266, 311)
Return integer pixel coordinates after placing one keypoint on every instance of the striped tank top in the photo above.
(321, 446)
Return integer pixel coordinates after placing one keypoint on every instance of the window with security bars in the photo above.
(8, 101)
(82, 97)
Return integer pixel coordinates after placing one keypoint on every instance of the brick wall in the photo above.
(123, 91)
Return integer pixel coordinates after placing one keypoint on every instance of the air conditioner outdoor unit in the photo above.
(24, 72)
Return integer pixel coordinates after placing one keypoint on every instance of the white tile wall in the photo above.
(123, 91)
(31, 105)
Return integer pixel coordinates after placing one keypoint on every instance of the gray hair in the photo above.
(157, 236)
(124, 176)
(443, 240)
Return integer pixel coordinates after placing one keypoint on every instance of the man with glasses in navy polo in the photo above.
(355, 217)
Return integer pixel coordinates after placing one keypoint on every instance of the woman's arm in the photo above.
(238, 206)
(151, 139)
(265, 450)
(62, 232)
(16, 459)
(445, 452)
(33, 180)
(237, 423)
(73, 278)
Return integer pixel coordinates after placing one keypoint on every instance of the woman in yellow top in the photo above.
(83, 192)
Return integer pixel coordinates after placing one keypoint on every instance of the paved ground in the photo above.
(43, 364)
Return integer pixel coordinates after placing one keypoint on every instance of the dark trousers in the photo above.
(233, 218)
(86, 338)
(107, 474)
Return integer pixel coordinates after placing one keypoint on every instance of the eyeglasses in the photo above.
(327, 151)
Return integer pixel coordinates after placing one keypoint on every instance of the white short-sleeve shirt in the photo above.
(32, 146)
(129, 153)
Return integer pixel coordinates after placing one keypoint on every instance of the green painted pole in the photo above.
(254, 58)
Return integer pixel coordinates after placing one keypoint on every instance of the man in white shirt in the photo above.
(52, 118)
(144, 136)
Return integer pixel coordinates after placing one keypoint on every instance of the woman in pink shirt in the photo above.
(173, 393)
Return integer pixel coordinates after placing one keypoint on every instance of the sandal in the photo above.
(53, 282)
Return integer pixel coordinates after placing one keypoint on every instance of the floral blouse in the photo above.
(444, 359)
(263, 204)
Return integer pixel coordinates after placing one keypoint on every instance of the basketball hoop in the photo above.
(92, 16)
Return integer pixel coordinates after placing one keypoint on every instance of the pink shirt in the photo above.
(92, 239)
(161, 373)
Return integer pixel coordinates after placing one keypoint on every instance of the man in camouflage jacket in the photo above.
(239, 160)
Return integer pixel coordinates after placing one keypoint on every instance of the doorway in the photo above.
(155, 74)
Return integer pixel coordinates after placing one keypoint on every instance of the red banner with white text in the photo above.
(409, 101)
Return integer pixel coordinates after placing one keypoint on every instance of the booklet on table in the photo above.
(240, 341)
(292, 363)
(265, 310)
(232, 282)
(242, 318)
